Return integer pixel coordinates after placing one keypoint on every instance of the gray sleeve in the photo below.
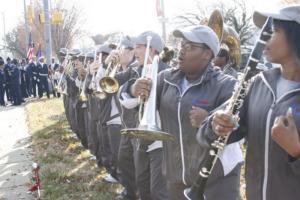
(295, 166)
(159, 87)
(206, 135)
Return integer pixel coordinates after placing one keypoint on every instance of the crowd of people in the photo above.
(27, 78)
(106, 94)
(191, 93)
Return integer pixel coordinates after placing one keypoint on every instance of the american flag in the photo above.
(30, 48)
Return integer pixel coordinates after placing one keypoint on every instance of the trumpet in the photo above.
(109, 83)
(82, 96)
(97, 90)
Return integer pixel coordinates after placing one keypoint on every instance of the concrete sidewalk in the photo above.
(15, 157)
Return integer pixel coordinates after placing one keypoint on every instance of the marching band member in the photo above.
(185, 95)
(54, 76)
(125, 58)
(148, 157)
(79, 105)
(222, 60)
(269, 118)
(103, 107)
(72, 91)
(125, 154)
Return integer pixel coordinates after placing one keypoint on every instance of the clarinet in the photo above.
(196, 191)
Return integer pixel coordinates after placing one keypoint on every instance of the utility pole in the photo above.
(163, 21)
(26, 25)
(3, 18)
(47, 33)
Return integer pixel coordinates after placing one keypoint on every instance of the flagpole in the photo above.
(47, 33)
(26, 26)
(163, 21)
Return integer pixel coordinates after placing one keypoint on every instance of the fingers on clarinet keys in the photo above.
(223, 130)
(223, 124)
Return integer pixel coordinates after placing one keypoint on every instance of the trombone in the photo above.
(148, 128)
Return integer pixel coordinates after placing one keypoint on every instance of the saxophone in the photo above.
(196, 192)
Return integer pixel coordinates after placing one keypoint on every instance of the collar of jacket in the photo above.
(271, 76)
(176, 76)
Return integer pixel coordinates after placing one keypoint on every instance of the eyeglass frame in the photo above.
(183, 45)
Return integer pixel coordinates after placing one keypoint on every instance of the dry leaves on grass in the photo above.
(66, 170)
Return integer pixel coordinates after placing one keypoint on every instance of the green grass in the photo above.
(66, 171)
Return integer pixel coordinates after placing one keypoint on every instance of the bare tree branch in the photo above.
(63, 34)
(234, 12)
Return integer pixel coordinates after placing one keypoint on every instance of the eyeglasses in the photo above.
(188, 46)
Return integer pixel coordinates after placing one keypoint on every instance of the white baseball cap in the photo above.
(290, 13)
(202, 35)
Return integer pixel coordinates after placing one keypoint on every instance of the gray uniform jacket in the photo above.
(129, 116)
(183, 156)
(271, 173)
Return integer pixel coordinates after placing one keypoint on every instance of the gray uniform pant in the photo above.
(221, 188)
(103, 149)
(114, 137)
(91, 126)
(150, 181)
(81, 124)
(72, 110)
(126, 165)
(93, 140)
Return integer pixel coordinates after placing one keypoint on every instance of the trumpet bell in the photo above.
(100, 95)
(83, 98)
(147, 133)
(109, 85)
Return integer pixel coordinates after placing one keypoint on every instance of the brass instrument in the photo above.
(108, 83)
(227, 35)
(82, 96)
(97, 90)
(148, 128)
(61, 85)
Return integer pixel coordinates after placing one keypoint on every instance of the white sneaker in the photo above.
(93, 157)
(110, 179)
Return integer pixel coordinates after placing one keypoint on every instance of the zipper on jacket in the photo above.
(267, 138)
(267, 135)
(180, 127)
(266, 160)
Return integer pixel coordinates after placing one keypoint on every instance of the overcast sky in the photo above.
(128, 16)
